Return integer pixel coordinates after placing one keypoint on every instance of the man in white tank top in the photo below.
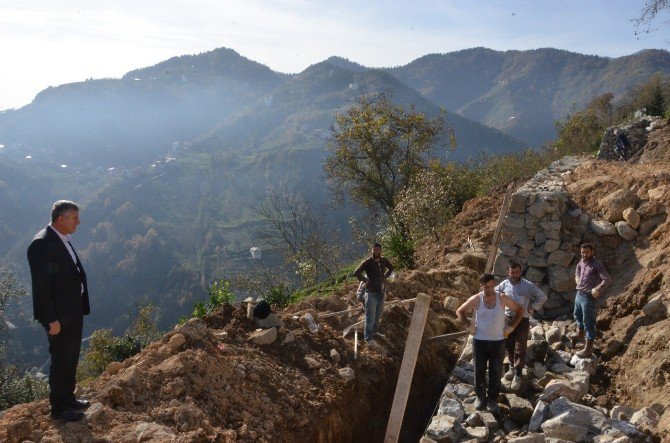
(489, 331)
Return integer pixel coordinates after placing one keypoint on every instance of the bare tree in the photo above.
(302, 233)
(649, 12)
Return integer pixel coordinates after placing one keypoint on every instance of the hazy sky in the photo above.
(50, 42)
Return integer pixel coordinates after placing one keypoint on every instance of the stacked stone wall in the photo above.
(539, 233)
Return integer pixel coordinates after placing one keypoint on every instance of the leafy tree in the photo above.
(582, 131)
(427, 205)
(378, 148)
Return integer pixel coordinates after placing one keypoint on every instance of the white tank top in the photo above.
(490, 322)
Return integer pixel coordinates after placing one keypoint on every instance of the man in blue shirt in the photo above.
(531, 298)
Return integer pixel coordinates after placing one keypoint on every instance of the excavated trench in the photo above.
(363, 412)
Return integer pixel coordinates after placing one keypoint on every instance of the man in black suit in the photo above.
(60, 301)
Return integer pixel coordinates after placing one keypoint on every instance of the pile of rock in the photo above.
(629, 213)
(636, 132)
(553, 401)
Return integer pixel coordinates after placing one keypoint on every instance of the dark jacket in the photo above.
(56, 281)
(376, 273)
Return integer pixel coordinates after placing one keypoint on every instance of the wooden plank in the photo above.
(447, 337)
(333, 314)
(409, 359)
(496, 235)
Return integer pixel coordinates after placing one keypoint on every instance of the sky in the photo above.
(51, 42)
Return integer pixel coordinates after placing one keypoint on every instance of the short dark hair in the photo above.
(487, 277)
(376, 245)
(588, 245)
(61, 207)
(514, 265)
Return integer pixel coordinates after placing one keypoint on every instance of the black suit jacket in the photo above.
(56, 281)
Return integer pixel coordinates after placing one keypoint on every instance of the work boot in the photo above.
(576, 336)
(587, 351)
(480, 404)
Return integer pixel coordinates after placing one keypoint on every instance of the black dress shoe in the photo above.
(79, 405)
(67, 415)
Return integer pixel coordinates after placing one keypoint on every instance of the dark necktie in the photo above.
(80, 268)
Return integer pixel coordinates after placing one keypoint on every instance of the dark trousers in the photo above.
(488, 355)
(516, 344)
(64, 349)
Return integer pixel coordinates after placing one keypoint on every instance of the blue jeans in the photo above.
(585, 314)
(374, 306)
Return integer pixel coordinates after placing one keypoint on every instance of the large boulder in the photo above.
(564, 427)
(588, 364)
(650, 209)
(582, 414)
(560, 258)
(581, 380)
(602, 227)
(631, 217)
(561, 279)
(622, 428)
(520, 409)
(625, 231)
(445, 429)
(451, 407)
(540, 414)
(264, 336)
(536, 351)
(560, 388)
(645, 418)
(613, 205)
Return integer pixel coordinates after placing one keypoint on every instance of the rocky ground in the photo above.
(221, 380)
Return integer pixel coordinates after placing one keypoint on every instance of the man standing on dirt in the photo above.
(489, 332)
(60, 301)
(591, 277)
(376, 269)
(531, 298)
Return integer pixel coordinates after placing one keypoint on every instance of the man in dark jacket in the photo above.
(60, 300)
(622, 144)
(376, 269)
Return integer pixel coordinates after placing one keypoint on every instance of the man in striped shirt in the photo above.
(592, 278)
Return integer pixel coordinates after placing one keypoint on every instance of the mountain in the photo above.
(127, 121)
(302, 110)
(524, 92)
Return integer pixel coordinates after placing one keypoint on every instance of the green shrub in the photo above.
(219, 294)
(16, 389)
(104, 348)
(279, 295)
(399, 248)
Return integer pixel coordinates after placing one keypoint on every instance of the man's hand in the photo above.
(508, 330)
(468, 326)
(595, 293)
(54, 328)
